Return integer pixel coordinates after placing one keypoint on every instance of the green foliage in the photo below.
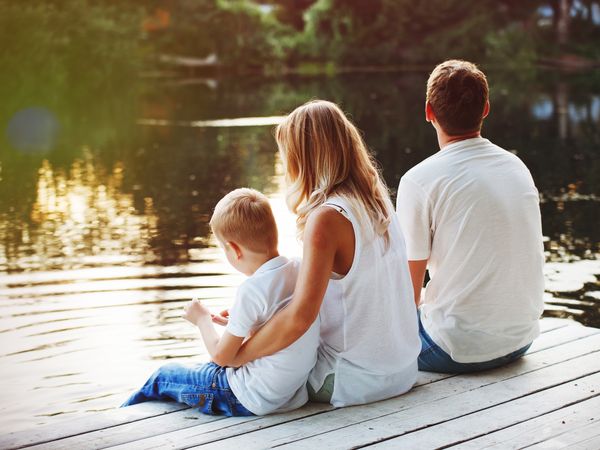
(511, 48)
(352, 32)
(270, 34)
(291, 12)
(394, 32)
(62, 43)
(237, 31)
(67, 35)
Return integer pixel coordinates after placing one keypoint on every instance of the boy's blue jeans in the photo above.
(203, 386)
(433, 359)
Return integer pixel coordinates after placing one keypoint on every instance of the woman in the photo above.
(352, 246)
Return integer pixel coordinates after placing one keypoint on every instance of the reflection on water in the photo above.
(238, 122)
(104, 236)
(79, 218)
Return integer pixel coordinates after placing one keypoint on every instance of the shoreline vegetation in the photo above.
(306, 37)
(178, 67)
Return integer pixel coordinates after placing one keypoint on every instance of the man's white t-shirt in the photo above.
(472, 210)
(277, 382)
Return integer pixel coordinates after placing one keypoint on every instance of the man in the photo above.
(470, 214)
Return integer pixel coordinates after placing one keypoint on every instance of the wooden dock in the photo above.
(548, 399)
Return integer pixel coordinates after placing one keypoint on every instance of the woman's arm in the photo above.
(223, 349)
(321, 243)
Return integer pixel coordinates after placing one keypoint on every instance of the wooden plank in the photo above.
(552, 323)
(439, 411)
(586, 437)
(561, 335)
(71, 427)
(231, 426)
(429, 414)
(132, 431)
(559, 331)
(539, 429)
(505, 415)
(431, 377)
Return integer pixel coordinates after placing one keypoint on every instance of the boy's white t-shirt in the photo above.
(276, 382)
(472, 210)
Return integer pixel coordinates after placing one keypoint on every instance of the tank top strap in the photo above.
(341, 205)
(339, 209)
(344, 207)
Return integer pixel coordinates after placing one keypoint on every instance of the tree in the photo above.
(290, 12)
(399, 31)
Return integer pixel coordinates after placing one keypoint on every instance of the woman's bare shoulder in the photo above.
(326, 225)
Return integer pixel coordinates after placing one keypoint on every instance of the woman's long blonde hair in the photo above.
(324, 155)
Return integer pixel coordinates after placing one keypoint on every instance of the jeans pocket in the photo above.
(201, 400)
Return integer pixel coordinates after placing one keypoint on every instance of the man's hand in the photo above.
(222, 318)
(194, 311)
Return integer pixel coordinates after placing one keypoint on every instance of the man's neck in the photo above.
(445, 139)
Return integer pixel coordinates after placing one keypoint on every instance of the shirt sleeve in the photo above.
(413, 210)
(246, 312)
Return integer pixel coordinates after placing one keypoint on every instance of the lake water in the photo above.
(105, 197)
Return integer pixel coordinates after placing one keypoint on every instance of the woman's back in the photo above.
(369, 339)
(369, 331)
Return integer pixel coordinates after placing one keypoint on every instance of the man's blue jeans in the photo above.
(203, 386)
(433, 359)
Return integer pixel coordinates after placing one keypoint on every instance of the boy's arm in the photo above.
(222, 350)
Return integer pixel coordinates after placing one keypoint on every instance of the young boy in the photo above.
(245, 228)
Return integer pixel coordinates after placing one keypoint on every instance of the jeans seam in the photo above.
(191, 386)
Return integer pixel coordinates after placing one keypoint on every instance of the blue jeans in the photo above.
(203, 386)
(433, 359)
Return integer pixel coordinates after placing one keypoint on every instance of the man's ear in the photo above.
(486, 109)
(429, 114)
(236, 248)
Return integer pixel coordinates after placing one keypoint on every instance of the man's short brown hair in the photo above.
(244, 216)
(457, 92)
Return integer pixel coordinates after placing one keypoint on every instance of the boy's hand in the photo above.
(222, 318)
(194, 310)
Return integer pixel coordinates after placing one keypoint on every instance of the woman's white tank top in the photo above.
(369, 329)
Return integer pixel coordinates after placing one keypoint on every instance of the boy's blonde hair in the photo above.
(244, 216)
(324, 155)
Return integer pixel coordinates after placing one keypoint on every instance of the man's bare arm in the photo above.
(417, 274)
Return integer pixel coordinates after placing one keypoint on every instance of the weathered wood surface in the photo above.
(548, 399)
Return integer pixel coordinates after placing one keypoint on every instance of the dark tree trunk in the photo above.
(563, 20)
